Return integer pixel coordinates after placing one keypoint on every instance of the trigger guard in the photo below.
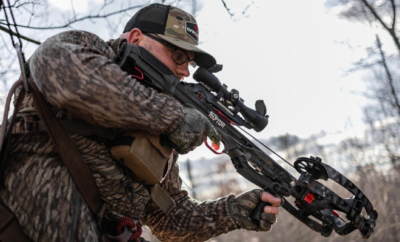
(210, 148)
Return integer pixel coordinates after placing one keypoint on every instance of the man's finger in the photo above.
(267, 197)
(271, 210)
(213, 135)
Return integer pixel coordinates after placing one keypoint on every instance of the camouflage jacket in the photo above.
(75, 73)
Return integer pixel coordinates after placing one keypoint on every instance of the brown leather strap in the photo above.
(83, 128)
(10, 229)
(6, 127)
(69, 153)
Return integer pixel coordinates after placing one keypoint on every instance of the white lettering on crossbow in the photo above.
(215, 118)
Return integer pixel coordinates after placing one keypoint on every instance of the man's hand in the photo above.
(241, 207)
(192, 131)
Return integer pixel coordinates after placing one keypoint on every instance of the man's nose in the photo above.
(183, 70)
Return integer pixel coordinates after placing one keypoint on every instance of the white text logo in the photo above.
(215, 118)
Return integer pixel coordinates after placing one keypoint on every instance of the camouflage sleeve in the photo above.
(75, 72)
(191, 220)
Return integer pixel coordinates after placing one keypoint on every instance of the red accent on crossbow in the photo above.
(200, 95)
(335, 213)
(212, 149)
(309, 198)
(224, 117)
(141, 74)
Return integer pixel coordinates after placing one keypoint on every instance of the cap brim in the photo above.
(201, 58)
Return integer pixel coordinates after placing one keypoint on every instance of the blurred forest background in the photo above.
(370, 160)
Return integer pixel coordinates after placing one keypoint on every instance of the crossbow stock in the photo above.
(315, 205)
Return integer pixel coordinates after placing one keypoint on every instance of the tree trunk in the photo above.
(393, 92)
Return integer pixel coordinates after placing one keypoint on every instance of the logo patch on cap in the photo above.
(193, 31)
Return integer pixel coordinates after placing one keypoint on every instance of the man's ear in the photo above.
(135, 36)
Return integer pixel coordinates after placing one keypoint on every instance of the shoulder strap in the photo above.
(9, 226)
(6, 127)
(69, 153)
(10, 229)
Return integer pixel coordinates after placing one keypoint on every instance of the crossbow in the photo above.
(315, 205)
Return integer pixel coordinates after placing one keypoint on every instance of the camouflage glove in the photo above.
(192, 131)
(241, 207)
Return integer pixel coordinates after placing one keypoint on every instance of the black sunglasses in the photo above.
(179, 56)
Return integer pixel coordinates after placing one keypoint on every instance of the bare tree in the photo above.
(34, 19)
(286, 143)
(383, 14)
(392, 89)
(382, 113)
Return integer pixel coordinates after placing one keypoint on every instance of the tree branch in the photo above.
(227, 9)
(80, 19)
(21, 36)
(391, 31)
(372, 10)
(394, 13)
(389, 76)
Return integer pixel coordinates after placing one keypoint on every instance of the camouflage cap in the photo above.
(174, 26)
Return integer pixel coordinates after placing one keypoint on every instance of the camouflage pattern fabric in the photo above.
(192, 131)
(191, 220)
(177, 26)
(182, 30)
(75, 73)
(241, 206)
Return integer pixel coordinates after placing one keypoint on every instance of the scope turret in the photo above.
(256, 120)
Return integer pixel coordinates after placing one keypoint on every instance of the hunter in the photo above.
(75, 74)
